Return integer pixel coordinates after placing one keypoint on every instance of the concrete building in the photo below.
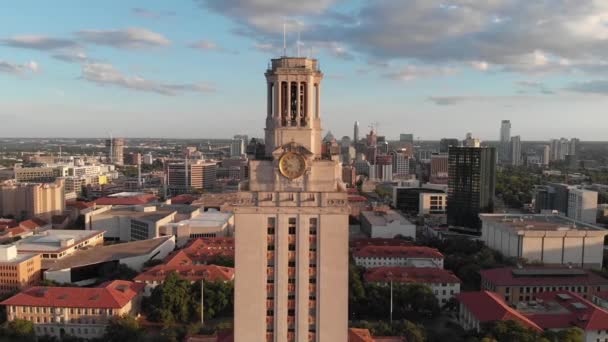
(57, 243)
(439, 168)
(83, 268)
(515, 151)
(504, 154)
(208, 224)
(446, 143)
(200, 175)
(386, 223)
(469, 141)
(444, 284)
(193, 273)
(237, 147)
(471, 184)
(292, 221)
(349, 175)
(549, 239)
(433, 203)
(148, 159)
(582, 205)
(356, 137)
(116, 147)
(129, 223)
(406, 256)
(524, 284)
(75, 311)
(401, 164)
(546, 155)
(479, 307)
(37, 174)
(18, 271)
(561, 310)
(29, 200)
(203, 251)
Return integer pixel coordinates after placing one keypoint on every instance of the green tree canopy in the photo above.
(123, 328)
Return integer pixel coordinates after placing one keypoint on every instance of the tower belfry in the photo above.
(291, 221)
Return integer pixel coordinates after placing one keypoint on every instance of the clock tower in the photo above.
(291, 221)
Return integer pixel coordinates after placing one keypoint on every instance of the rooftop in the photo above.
(541, 276)
(360, 243)
(425, 275)
(523, 222)
(383, 218)
(202, 250)
(188, 272)
(488, 306)
(148, 216)
(98, 254)
(50, 240)
(126, 198)
(563, 309)
(115, 294)
(398, 252)
(211, 218)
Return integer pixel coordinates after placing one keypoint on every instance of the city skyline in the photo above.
(69, 71)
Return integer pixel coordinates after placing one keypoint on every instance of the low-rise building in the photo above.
(193, 273)
(547, 239)
(443, 283)
(433, 203)
(563, 309)
(386, 223)
(210, 223)
(57, 244)
(479, 307)
(18, 270)
(601, 299)
(84, 267)
(129, 223)
(203, 251)
(525, 284)
(357, 244)
(75, 311)
(413, 256)
(582, 205)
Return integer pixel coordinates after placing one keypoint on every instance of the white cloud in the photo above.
(480, 65)
(18, 69)
(150, 14)
(133, 37)
(37, 42)
(107, 74)
(413, 72)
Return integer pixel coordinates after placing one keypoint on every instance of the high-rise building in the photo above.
(28, 200)
(116, 147)
(401, 164)
(546, 154)
(356, 132)
(446, 143)
(515, 151)
(133, 158)
(505, 138)
(237, 147)
(406, 138)
(198, 175)
(439, 168)
(471, 184)
(469, 141)
(292, 217)
(582, 205)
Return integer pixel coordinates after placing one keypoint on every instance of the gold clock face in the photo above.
(292, 165)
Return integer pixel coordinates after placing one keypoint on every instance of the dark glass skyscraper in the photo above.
(445, 143)
(471, 184)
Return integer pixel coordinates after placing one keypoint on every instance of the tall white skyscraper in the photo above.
(356, 133)
(515, 150)
(291, 221)
(505, 139)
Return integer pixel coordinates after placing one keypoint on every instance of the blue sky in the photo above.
(195, 68)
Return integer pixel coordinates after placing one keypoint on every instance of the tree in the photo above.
(510, 331)
(222, 260)
(123, 328)
(20, 330)
(572, 334)
(171, 301)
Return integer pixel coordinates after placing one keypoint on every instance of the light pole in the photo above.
(390, 278)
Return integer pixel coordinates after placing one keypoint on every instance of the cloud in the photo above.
(72, 57)
(590, 87)
(18, 69)
(133, 37)
(448, 100)
(413, 72)
(107, 74)
(264, 47)
(150, 14)
(207, 45)
(535, 86)
(480, 65)
(38, 42)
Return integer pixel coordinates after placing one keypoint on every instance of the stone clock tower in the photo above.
(291, 221)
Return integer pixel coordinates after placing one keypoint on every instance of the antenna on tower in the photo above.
(284, 40)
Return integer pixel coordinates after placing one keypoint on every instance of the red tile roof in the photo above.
(135, 200)
(563, 309)
(188, 272)
(359, 243)
(423, 275)
(541, 276)
(183, 199)
(115, 294)
(81, 205)
(602, 295)
(59, 219)
(359, 335)
(398, 252)
(202, 250)
(488, 306)
(32, 223)
(357, 198)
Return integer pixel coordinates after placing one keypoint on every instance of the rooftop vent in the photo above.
(564, 296)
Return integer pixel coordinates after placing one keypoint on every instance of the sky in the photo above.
(195, 68)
